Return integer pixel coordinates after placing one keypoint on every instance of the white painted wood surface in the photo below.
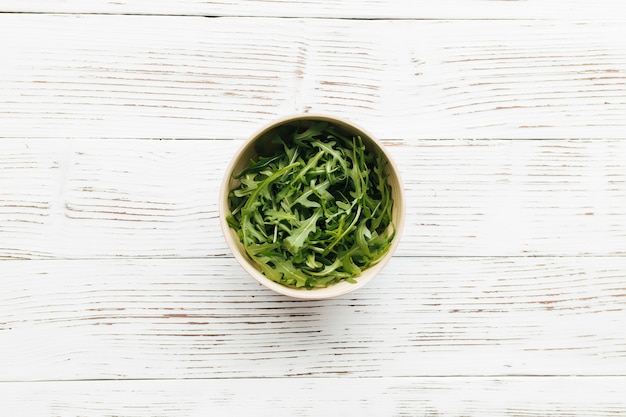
(103, 198)
(193, 77)
(269, 397)
(368, 9)
(204, 318)
(507, 296)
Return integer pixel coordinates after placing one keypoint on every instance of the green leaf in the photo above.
(303, 200)
(315, 209)
(296, 240)
(289, 272)
(258, 166)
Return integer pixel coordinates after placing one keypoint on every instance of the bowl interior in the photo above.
(258, 144)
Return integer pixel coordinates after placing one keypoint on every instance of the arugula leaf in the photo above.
(315, 209)
(295, 241)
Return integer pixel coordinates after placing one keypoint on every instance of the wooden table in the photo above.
(119, 297)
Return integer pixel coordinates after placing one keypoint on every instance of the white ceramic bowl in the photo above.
(241, 160)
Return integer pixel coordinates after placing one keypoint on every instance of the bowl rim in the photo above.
(233, 241)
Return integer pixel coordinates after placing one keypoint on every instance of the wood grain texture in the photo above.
(87, 199)
(193, 77)
(370, 9)
(119, 297)
(376, 397)
(205, 318)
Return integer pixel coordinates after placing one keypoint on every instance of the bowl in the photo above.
(241, 160)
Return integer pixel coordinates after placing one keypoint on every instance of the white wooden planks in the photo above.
(205, 318)
(479, 397)
(352, 9)
(193, 77)
(83, 199)
(123, 272)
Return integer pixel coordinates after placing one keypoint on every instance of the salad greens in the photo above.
(315, 208)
